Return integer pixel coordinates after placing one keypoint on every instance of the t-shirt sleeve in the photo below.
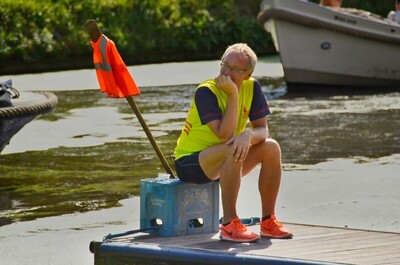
(207, 105)
(259, 106)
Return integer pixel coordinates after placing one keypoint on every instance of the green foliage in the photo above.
(35, 34)
(145, 30)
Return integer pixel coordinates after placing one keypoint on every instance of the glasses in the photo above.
(233, 68)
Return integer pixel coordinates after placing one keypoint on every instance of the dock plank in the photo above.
(339, 243)
(314, 243)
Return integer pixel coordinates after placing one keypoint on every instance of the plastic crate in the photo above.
(183, 208)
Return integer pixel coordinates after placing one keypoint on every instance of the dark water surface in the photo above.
(91, 151)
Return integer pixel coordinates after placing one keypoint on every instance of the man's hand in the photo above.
(240, 145)
(225, 83)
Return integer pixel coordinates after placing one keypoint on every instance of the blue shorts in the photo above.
(188, 169)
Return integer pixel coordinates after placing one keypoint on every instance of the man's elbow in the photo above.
(224, 137)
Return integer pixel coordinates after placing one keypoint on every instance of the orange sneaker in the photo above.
(274, 229)
(237, 232)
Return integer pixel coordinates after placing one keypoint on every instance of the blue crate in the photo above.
(184, 208)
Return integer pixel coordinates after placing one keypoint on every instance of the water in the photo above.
(64, 174)
(91, 152)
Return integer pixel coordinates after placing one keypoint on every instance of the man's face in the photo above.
(235, 66)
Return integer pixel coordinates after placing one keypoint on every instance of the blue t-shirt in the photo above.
(207, 105)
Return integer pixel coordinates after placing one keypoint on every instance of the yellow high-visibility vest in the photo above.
(195, 136)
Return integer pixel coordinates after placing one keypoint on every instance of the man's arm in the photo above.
(259, 130)
(225, 128)
(241, 143)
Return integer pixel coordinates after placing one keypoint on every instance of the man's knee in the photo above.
(272, 147)
(272, 143)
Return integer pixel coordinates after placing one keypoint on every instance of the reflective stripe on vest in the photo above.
(103, 49)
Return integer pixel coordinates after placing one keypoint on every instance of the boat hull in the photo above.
(9, 127)
(25, 109)
(321, 46)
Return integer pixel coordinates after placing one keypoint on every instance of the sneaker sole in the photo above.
(286, 236)
(238, 240)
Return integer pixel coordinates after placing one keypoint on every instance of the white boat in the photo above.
(322, 46)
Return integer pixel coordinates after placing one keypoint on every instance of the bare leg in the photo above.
(230, 185)
(217, 162)
(268, 154)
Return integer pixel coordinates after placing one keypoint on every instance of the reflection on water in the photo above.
(91, 151)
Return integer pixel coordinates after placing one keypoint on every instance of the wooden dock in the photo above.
(310, 245)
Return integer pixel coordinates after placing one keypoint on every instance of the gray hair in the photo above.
(243, 50)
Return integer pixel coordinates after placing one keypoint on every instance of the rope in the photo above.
(35, 109)
(246, 221)
(127, 233)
